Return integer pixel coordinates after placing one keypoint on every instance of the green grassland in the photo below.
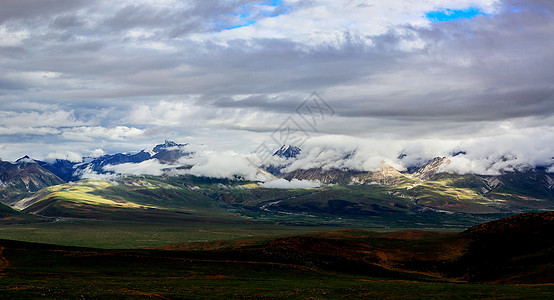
(127, 235)
(150, 212)
(324, 265)
(172, 279)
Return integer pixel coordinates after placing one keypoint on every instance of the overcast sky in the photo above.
(427, 76)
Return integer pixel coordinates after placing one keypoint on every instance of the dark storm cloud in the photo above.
(169, 22)
(66, 21)
(444, 106)
(536, 5)
(9, 84)
(30, 9)
(272, 65)
(176, 20)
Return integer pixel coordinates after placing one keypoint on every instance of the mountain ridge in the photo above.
(379, 192)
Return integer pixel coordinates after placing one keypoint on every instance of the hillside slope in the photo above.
(11, 216)
(131, 199)
(515, 249)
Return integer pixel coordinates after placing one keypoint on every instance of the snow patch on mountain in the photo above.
(25, 160)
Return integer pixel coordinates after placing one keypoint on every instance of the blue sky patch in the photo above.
(454, 14)
(273, 3)
(246, 23)
(250, 13)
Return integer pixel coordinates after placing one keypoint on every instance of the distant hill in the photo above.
(386, 175)
(515, 191)
(130, 199)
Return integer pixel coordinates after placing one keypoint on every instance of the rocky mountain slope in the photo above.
(23, 177)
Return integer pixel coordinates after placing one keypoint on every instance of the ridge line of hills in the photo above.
(53, 189)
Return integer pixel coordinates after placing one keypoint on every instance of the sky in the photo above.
(423, 78)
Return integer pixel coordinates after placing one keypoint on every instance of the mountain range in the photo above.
(60, 188)
(68, 170)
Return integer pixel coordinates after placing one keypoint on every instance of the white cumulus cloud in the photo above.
(67, 155)
(227, 164)
(148, 167)
(89, 133)
(293, 184)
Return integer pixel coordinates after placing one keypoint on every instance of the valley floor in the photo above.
(268, 263)
(202, 280)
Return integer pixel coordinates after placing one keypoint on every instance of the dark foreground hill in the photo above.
(515, 249)
(346, 263)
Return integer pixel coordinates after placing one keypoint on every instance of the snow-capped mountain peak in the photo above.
(288, 151)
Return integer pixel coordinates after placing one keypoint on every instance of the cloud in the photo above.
(16, 130)
(56, 118)
(14, 9)
(88, 173)
(293, 184)
(67, 155)
(517, 149)
(164, 113)
(148, 167)
(80, 75)
(346, 153)
(44, 122)
(12, 37)
(97, 153)
(205, 163)
(85, 133)
(228, 164)
(338, 21)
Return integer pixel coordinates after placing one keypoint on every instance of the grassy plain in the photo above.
(338, 264)
(125, 235)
